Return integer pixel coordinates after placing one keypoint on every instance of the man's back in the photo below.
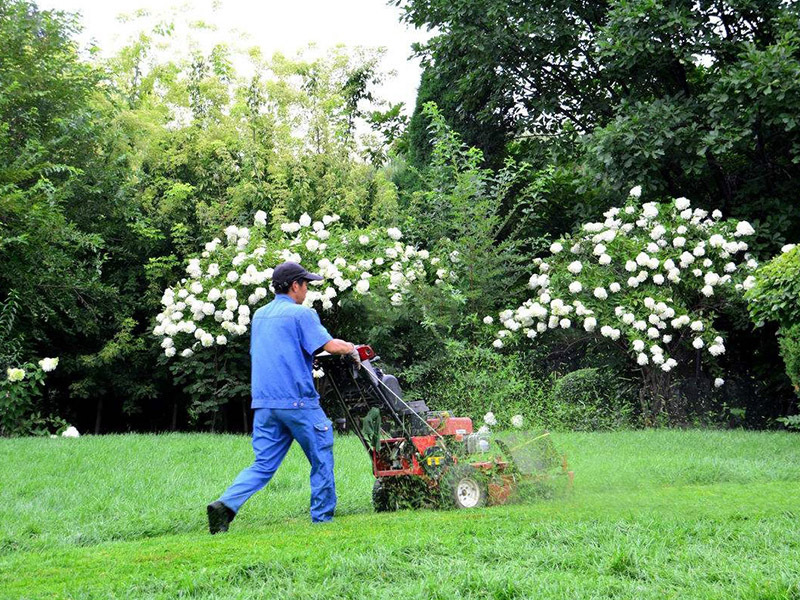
(283, 340)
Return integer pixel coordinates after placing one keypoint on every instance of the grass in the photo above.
(654, 514)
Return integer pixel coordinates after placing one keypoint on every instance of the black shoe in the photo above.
(219, 517)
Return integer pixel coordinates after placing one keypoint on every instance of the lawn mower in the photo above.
(424, 458)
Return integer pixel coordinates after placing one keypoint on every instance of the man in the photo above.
(284, 338)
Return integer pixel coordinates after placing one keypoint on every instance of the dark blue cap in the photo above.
(289, 272)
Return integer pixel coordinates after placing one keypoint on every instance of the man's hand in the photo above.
(355, 357)
(343, 348)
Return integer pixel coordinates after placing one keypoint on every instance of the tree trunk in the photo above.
(98, 416)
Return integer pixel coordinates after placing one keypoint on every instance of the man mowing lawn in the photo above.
(284, 338)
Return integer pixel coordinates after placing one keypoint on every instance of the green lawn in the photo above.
(654, 514)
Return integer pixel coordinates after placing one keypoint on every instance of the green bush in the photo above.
(472, 380)
(776, 297)
(790, 351)
(776, 293)
(586, 400)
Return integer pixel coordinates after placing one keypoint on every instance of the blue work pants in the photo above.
(273, 432)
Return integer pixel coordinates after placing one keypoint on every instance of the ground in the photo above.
(653, 514)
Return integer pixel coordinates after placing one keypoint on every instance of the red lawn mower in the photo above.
(423, 458)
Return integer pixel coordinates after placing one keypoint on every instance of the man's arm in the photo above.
(339, 347)
(335, 346)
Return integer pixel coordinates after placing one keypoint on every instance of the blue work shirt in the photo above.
(283, 340)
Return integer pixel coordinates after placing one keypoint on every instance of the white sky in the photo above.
(273, 25)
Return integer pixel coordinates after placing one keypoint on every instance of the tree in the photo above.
(696, 99)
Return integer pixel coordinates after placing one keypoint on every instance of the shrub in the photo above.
(652, 278)
(776, 293)
(586, 400)
(776, 297)
(19, 393)
(471, 381)
(790, 351)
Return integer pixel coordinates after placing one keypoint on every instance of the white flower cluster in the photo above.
(491, 420)
(232, 278)
(639, 276)
(16, 374)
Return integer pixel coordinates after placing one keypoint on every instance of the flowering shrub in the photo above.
(231, 278)
(18, 394)
(650, 278)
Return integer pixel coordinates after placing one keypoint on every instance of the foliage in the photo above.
(19, 395)
(683, 269)
(469, 380)
(776, 293)
(790, 351)
(588, 400)
(791, 422)
(461, 208)
(776, 297)
(696, 99)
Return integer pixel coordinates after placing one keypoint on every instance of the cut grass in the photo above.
(654, 514)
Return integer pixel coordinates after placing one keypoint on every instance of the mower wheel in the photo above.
(383, 500)
(463, 486)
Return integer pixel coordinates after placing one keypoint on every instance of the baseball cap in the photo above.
(289, 271)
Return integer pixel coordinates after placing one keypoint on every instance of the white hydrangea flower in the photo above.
(260, 218)
(698, 343)
(497, 344)
(636, 191)
(394, 233)
(556, 247)
(600, 293)
(682, 203)
(650, 210)
(784, 249)
(490, 419)
(719, 382)
(658, 232)
(71, 432)
(575, 267)
(304, 220)
(575, 287)
(615, 287)
(362, 286)
(517, 421)
(744, 228)
(589, 324)
(15, 375)
(48, 364)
